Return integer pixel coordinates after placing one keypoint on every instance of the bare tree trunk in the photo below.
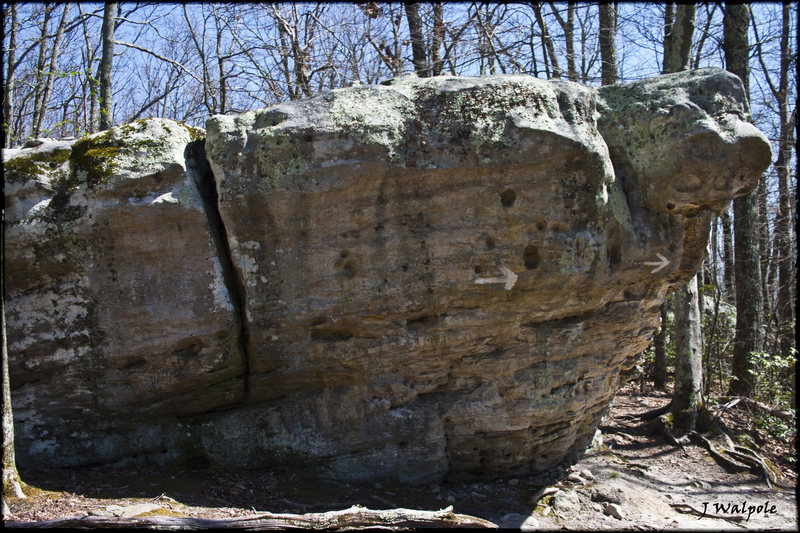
(764, 250)
(608, 46)
(569, 31)
(688, 334)
(547, 42)
(51, 73)
(291, 40)
(438, 38)
(223, 84)
(106, 64)
(745, 223)
(783, 257)
(669, 22)
(8, 94)
(397, 57)
(286, 70)
(38, 90)
(727, 255)
(586, 65)
(736, 44)
(484, 45)
(688, 356)
(709, 360)
(417, 39)
(532, 48)
(90, 115)
(748, 293)
(704, 35)
(487, 46)
(12, 485)
(301, 56)
(677, 52)
(701, 302)
(545, 56)
(209, 98)
(660, 348)
(783, 228)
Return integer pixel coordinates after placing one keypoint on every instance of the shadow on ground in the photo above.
(280, 491)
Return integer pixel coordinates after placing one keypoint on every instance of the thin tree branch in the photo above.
(159, 56)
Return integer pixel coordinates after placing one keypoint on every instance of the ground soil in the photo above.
(633, 480)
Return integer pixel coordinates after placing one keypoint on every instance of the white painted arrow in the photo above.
(509, 278)
(658, 264)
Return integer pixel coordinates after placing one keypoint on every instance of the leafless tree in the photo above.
(10, 59)
(779, 91)
(747, 267)
(41, 105)
(548, 50)
(608, 47)
(417, 39)
(688, 334)
(678, 37)
(107, 64)
(568, 27)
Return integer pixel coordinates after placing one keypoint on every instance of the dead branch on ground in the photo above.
(731, 401)
(352, 518)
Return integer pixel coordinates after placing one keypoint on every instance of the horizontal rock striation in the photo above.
(436, 277)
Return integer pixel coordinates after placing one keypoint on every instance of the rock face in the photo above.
(117, 308)
(439, 277)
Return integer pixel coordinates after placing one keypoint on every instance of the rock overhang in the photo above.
(683, 142)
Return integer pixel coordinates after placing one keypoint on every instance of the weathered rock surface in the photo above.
(117, 310)
(434, 277)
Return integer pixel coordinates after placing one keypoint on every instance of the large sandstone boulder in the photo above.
(433, 277)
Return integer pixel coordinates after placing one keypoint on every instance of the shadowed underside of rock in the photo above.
(439, 277)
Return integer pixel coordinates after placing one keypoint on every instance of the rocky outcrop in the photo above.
(433, 277)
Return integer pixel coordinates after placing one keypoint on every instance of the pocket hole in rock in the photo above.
(531, 257)
(508, 197)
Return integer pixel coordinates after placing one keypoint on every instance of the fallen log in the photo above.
(353, 518)
(731, 401)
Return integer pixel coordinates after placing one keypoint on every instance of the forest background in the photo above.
(74, 68)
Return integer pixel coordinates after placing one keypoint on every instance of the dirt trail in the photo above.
(634, 480)
(641, 482)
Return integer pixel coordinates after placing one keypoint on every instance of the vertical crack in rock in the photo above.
(197, 165)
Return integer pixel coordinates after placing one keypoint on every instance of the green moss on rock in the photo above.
(24, 167)
(195, 134)
(92, 160)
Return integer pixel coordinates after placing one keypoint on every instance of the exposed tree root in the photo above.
(730, 465)
(649, 415)
(743, 453)
(688, 509)
(734, 458)
(661, 424)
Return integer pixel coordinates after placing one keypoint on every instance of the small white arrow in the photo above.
(509, 278)
(658, 264)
